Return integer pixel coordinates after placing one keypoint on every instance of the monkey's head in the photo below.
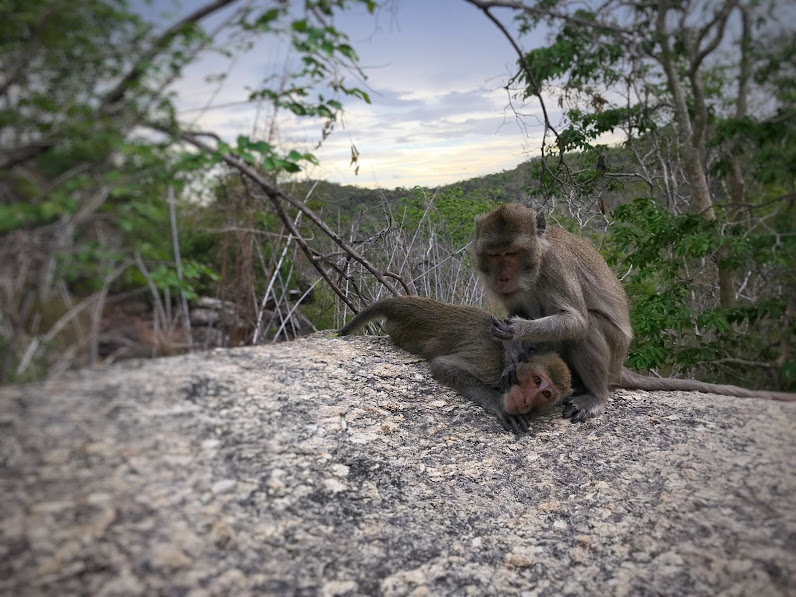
(508, 245)
(541, 383)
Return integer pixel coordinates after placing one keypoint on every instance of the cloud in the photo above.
(403, 142)
(438, 111)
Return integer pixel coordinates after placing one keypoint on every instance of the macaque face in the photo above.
(533, 390)
(508, 248)
(505, 265)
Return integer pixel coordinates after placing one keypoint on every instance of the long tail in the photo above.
(633, 381)
(364, 317)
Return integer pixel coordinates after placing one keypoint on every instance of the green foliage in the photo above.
(667, 255)
(266, 155)
(585, 55)
(165, 276)
(318, 48)
(768, 146)
(81, 80)
(586, 127)
(450, 213)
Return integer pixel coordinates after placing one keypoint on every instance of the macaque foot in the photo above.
(517, 424)
(581, 408)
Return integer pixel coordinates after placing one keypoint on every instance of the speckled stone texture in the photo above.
(335, 466)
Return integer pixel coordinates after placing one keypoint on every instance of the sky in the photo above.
(436, 71)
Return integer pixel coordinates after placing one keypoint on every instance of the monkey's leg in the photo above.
(578, 387)
(588, 361)
(453, 372)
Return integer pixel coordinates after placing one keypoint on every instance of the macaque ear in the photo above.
(541, 224)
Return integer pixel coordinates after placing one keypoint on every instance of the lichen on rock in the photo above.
(337, 466)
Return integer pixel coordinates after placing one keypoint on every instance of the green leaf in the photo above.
(261, 146)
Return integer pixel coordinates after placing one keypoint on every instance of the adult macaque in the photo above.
(458, 342)
(558, 290)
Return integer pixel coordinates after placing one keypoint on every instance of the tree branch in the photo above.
(116, 94)
(736, 361)
(400, 278)
(523, 65)
(548, 125)
(547, 12)
(719, 19)
(33, 43)
(308, 252)
(275, 193)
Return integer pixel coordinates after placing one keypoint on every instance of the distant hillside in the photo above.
(349, 201)
(508, 185)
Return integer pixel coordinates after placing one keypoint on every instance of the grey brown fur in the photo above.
(457, 341)
(633, 381)
(559, 290)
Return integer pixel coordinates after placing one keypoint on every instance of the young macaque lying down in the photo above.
(457, 340)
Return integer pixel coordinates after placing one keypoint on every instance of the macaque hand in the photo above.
(517, 424)
(508, 377)
(512, 352)
(502, 330)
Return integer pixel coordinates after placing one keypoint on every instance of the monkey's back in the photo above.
(604, 296)
(598, 280)
(429, 328)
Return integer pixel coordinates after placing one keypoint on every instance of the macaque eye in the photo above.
(537, 380)
(547, 394)
(509, 253)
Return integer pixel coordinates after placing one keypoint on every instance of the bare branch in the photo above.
(116, 94)
(719, 21)
(20, 155)
(275, 194)
(548, 125)
(736, 361)
(523, 65)
(547, 12)
(788, 197)
(400, 278)
(175, 242)
(302, 243)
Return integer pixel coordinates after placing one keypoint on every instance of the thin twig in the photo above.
(275, 193)
(400, 278)
(175, 241)
(161, 43)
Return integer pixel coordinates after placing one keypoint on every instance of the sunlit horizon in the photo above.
(439, 111)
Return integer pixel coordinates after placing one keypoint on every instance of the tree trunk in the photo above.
(735, 176)
(691, 143)
(694, 172)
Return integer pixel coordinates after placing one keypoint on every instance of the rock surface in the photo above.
(334, 466)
